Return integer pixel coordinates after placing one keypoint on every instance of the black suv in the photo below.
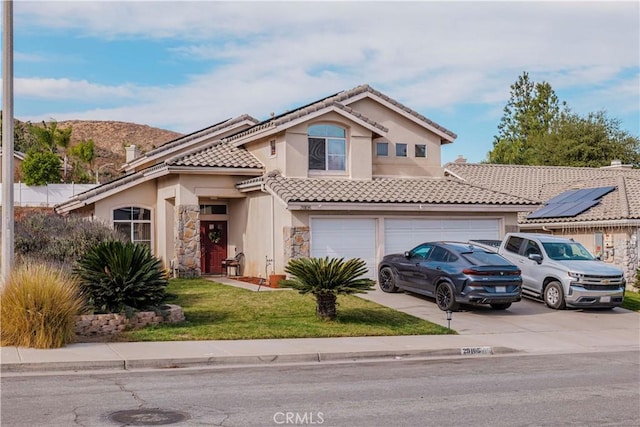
(453, 273)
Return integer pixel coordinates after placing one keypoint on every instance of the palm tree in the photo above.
(326, 279)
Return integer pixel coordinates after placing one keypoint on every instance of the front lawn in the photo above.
(220, 312)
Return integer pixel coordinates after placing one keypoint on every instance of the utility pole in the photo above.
(7, 140)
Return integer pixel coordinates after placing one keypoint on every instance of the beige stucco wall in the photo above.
(402, 130)
(263, 240)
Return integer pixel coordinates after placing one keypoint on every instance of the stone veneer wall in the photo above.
(629, 261)
(92, 325)
(296, 243)
(187, 241)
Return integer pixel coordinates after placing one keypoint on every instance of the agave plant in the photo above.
(326, 279)
(119, 275)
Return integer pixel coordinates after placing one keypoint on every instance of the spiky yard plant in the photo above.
(119, 276)
(327, 278)
(38, 305)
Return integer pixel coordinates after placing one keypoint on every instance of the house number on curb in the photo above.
(472, 351)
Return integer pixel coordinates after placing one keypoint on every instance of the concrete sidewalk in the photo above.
(528, 327)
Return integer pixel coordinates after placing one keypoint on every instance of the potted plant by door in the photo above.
(274, 279)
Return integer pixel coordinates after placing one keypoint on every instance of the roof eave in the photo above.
(302, 119)
(445, 137)
(405, 207)
(582, 224)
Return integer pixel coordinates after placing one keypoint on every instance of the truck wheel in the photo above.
(500, 306)
(387, 280)
(445, 297)
(554, 296)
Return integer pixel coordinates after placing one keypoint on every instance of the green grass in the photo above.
(220, 312)
(631, 301)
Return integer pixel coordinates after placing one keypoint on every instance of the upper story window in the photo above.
(272, 147)
(421, 150)
(327, 148)
(382, 149)
(401, 150)
(134, 222)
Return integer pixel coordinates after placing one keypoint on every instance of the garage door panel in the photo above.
(403, 234)
(345, 238)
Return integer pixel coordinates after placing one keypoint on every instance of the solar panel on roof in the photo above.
(571, 203)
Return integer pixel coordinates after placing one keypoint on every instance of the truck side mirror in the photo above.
(407, 254)
(536, 257)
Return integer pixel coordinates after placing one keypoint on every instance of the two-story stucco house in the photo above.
(356, 174)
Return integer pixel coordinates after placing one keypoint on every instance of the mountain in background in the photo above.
(111, 137)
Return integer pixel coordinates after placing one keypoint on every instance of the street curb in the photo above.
(255, 360)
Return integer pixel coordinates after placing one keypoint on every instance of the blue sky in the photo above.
(186, 65)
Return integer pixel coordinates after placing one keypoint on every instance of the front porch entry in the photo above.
(213, 246)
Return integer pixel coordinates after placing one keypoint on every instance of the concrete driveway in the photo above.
(526, 320)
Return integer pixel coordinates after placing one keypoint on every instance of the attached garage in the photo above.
(403, 234)
(345, 238)
(357, 237)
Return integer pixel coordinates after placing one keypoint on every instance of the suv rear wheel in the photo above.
(445, 297)
(554, 296)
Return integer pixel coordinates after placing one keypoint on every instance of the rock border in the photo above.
(97, 325)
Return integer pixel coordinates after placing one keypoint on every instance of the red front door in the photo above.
(213, 246)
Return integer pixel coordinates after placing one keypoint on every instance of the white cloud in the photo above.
(66, 89)
(268, 56)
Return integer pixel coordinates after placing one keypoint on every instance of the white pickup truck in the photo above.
(562, 272)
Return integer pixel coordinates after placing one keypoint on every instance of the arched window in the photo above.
(134, 222)
(327, 148)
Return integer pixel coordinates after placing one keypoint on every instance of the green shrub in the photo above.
(45, 237)
(40, 168)
(37, 307)
(327, 278)
(118, 276)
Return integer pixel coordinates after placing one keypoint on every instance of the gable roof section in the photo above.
(340, 102)
(299, 115)
(217, 154)
(185, 141)
(387, 191)
(542, 183)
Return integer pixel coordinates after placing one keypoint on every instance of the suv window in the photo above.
(421, 252)
(439, 254)
(513, 244)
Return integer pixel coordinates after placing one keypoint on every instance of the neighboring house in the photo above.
(18, 158)
(356, 174)
(606, 219)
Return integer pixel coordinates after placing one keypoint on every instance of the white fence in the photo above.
(45, 195)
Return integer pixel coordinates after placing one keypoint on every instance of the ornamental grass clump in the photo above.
(38, 306)
(120, 276)
(327, 278)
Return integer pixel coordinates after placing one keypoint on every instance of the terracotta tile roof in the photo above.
(542, 183)
(217, 154)
(386, 190)
(337, 101)
(197, 134)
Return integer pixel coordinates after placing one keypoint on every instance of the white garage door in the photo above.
(345, 238)
(403, 234)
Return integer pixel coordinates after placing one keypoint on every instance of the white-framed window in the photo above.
(327, 147)
(134, 222)
(421, 150)
(401, 150)
(272, 147)
(382, 149)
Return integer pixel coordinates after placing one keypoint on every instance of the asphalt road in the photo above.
(589, 389)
